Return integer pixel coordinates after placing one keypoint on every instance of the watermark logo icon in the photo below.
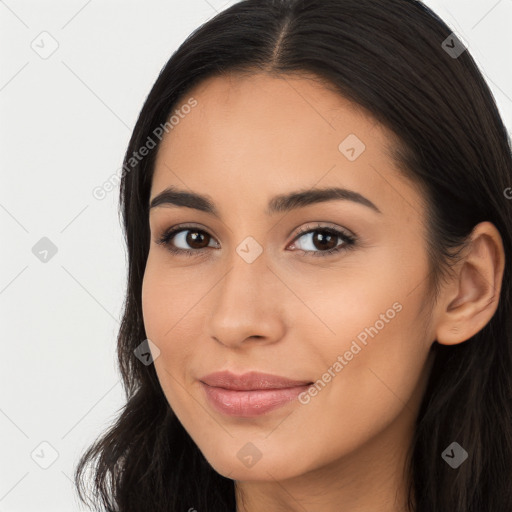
(44, 250)
(453, 46)
(45, 45)
(249, 454)
(352, 147)
(454, 455)
(249, 249)
(147, 352)
(44, 455)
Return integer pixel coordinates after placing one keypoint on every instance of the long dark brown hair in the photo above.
(395, 59)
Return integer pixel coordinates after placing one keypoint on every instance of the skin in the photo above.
(291, 313)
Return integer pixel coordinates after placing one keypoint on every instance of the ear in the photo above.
(471, 299)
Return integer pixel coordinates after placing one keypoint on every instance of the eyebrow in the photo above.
(281, 203)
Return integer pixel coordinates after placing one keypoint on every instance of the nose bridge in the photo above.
(247, 268)
(246, 302)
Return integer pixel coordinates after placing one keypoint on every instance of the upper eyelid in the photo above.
(303, 230)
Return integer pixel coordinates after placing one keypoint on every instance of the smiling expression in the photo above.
(302, 236)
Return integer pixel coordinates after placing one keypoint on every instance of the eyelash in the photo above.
(349, 240)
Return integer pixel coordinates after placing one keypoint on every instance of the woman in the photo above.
(318, 312)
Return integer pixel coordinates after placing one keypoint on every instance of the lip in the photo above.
(250, 381)
(250, 394)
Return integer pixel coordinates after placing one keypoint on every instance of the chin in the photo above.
(265, 469)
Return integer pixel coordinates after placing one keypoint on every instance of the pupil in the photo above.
(323, 238)
(192, 238)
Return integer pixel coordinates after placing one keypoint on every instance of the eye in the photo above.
(320, 237)
(195, 238)
(325, 239)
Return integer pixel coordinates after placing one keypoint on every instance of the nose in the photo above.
(247, 304)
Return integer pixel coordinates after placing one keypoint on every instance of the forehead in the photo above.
(267, 104)
(262, 134)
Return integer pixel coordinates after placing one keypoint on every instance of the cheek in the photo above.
(373, 360)
(166, 310)
(382, 383)
(382, 365)
(164, 298)
(161, 313)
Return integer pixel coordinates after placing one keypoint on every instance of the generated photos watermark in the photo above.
(348, 355)
(101, 191)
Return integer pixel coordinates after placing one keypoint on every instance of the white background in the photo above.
(65, 124)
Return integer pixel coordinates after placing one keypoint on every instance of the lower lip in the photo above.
(248, 404)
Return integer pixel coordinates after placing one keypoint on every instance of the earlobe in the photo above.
(472, 297)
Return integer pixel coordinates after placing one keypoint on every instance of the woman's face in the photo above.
(260, 291)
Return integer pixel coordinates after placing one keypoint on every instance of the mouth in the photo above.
(251, 394)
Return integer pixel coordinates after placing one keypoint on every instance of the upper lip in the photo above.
(250, 381)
